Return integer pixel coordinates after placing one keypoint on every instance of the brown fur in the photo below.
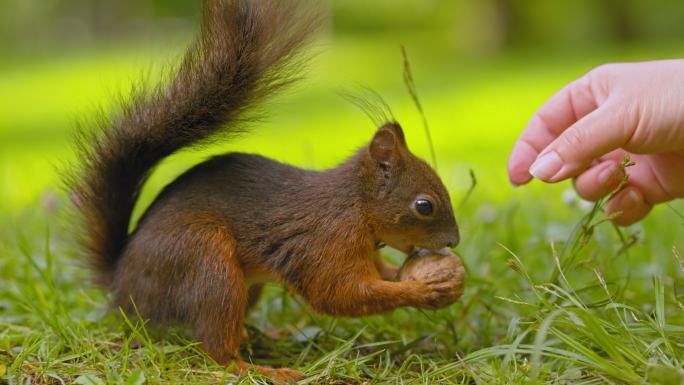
(203, 249)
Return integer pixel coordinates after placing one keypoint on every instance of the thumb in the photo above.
(596, 134)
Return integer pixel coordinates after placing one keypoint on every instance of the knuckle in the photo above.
(573, 138)
(604, 69)
(599, 69)
(581, 86)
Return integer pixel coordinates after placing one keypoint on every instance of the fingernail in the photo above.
(630, 200)
(546, 166)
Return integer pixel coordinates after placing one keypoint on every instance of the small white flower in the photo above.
(487, 213)
(586, 206)
(570, 197)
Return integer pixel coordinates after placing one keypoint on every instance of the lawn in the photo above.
(555, 294)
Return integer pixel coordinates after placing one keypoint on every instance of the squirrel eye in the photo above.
(424, 207)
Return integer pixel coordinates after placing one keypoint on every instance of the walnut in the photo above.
(430, 265)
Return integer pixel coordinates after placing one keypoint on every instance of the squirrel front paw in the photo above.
(438, 292)
(439, 274)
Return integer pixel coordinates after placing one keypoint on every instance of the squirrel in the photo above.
(204, 248)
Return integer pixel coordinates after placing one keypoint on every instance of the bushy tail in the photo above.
(246, 51)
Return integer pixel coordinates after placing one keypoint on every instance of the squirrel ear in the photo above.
(386, 142)
(398, 131)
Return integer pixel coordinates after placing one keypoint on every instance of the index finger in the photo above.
(561, 111)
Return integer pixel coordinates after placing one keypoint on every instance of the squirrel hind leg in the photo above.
(227, 298)
(202, 285)
(220, 324)
(217, 294)
(221, 335)
(219, 318)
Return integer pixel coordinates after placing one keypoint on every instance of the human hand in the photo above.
(587, 128)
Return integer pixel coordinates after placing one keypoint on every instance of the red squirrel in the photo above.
(204, 248)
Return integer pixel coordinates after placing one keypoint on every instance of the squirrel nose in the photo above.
(453, 239)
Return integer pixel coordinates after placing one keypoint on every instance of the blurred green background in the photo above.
(481, 67)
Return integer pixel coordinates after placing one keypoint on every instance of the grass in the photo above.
(555, 293)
